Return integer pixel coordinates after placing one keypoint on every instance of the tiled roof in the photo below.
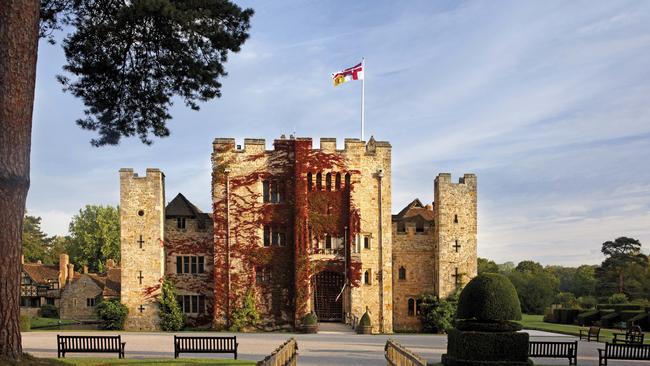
(113, 283)
(41, 273)
(413, 210)
(182, 207)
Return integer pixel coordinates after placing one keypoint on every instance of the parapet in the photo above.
(256, 145)
(127, 173)
(469, 179)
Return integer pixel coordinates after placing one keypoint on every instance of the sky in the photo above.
(548, 102)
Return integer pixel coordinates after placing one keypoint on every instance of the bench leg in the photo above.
(235, 355)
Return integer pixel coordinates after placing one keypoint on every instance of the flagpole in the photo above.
(363, 95)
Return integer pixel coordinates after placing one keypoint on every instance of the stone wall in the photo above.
(142, 206)
(413, 251)
(456, 227)
(191, 241)
(74, 305)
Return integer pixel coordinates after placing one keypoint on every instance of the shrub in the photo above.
(246, 315)
(365, 320)
(588, 317)
(482, 346)
(489, 297)
(587, 302)
(617, 299)
(49, 311)
(310, 319)
(566, 300)
(112, 313)
(609, 320)
(171, 316)
(25, 323)
(565, 316)
(437, 316)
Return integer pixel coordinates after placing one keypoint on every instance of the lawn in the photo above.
(85, 361)
(48, 322)
(536, 322)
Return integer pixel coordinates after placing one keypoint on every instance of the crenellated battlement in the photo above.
(256, 146)
(150, 173)
(467, 179)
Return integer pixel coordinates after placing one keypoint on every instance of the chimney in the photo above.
(429, 207)
(85, 269)
(64, 260)
(110, 263)
(70, 272)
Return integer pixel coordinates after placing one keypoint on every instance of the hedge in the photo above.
(565, 316)
(642, 320)
(619, 307)
(588, 317)
(609, 320)
(489, 297)
(49, 311)
(628, 314)
(481, 348)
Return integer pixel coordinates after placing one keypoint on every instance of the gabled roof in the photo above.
(41, 273)
(182, 207)
(413, 210)
(113, 283)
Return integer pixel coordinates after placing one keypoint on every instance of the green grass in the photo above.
(536, 322)
(47, 322)
(29, 360)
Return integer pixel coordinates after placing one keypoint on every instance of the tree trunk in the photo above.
(620, 282)
(18, 49)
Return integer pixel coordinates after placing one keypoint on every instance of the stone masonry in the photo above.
(301, 229)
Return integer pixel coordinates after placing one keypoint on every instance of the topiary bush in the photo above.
(365, 320)
(112, 313)
(617, 299)
(310, 319)
(484, 348)
(49, 311)
(587, 302)
(245, 316)
(588, 317)
(490, 297)
(25, 323)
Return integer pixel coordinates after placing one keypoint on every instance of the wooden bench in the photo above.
(623, 352)
(592, 332)
(208, 344)
(554, 350)
(89, 344)
(633, 335)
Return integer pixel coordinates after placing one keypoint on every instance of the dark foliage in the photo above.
(49, 311)
(489, 297)
(129, 59)
(437, 315)
(25, 323)
(309, 319)
(365, 320)
(501, 326)
(113, 314)
(479, 347)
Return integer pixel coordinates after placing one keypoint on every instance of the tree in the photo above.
(487, 266)
(128, 59)
(623, 262)
(95, 236)
(34, 240)
(584, 281)
(437, 315)
(536, 286)
(113, 314)
(171, 316)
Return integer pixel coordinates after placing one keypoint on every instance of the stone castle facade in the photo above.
(299, 229)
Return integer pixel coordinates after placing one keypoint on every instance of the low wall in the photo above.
(398, 355)
(285, 355)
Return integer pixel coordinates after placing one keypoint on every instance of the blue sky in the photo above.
(548, 102)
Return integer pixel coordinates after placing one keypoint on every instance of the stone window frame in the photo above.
(276, 236)
(455, 218)
(410, 306)
(401, 273)
(262, 275)
(181, 223)
(184, 264)
(90, 302)
(401, 228)
(367, 277)
(189, 302)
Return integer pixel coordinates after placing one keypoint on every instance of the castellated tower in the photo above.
(142, 214)
(303, 229)
(455, 232)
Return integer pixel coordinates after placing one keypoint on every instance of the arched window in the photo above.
(309, 182)
(328, 181)
(348, 181)
(366, 277)
(402, 273)
(411, 307)
(338, 181)
(319, 181)
(328, 241)
(455, 219)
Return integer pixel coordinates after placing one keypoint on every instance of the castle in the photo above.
(300, 230)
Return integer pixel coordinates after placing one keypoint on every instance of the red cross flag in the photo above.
(352, 73)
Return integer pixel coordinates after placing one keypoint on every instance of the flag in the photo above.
(352, 73)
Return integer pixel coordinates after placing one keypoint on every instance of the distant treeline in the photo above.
(623, 276)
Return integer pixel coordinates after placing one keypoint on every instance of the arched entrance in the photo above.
(327, 302)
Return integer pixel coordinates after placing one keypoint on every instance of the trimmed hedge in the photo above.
(365, 320)
(25, 323)
(588, 317)
(642, 320)
(628, 314)
(565, 316)
(483, 348)
(489, 297)
(609, 320)
(504, 326)
(620, 307)
(49, 311)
